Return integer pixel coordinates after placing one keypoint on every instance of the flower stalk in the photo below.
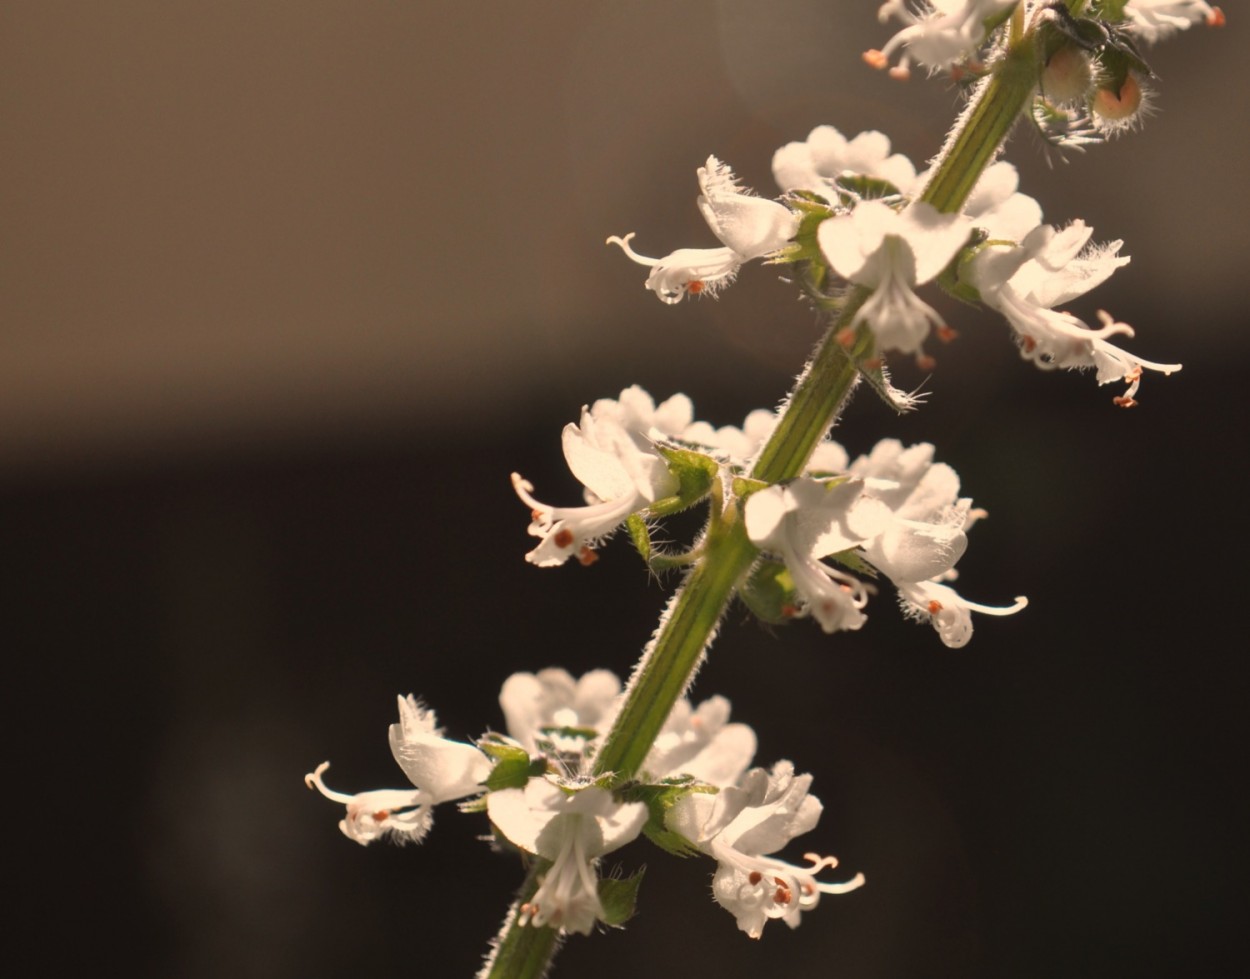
(983, 128)
(669, 664)
(523, 952)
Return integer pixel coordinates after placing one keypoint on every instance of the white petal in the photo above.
(443, 769)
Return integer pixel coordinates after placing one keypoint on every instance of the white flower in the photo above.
(612, 452)
(1050, 267)
(539, 708)
(997, 207)
(806, 520)
(748, 227)
(949, 613)
(925, 536)
(702, 744)
(735, 445)
(944, 32)
(740, 827)
(815, 165)
(441, 770)
(572, 830)
(1153, 20)
(894, 252)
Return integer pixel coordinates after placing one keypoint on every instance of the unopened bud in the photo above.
(1067, 76)
(1118, 106)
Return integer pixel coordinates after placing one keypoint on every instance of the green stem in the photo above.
(667, 667)
(523, 952)
(670, 662)
(983, 128)
(814, 404)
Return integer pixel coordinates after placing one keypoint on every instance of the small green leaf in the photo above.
(640, 535)
(619, 897)
(769, 593)
(659, 798)
(695, 474)
(744, 486)
(513, 767)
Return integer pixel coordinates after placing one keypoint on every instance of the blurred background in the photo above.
(286, 292)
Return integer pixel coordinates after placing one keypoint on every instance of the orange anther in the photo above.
(380, 816)
(935, 607)
(1216, 18)
(755, 877)
(564, 537)
(846, 337)
(694, 288)
(789, 611)
(782, 896)
(586, 557)
(1124, 401)
(875, 59)
(1029, 344)
(925, 362)
(946, 334)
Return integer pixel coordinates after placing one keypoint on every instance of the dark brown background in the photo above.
(288, 289)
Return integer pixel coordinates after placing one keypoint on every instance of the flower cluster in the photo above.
(894, 512)
(1094, 81)
(696, 792)
(860, 222)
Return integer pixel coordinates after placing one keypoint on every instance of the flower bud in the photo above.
(1067, 76)
(1118, 105)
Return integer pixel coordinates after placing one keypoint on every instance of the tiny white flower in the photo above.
(925, 537)
(806, 520)
(1048, 268)
(894, 252)
(740, 827)
(996, 206)
(536, 707)
(702, 744)
(572, 830)
(946, 610)
(612, 452)
(817, 163)
(748, 227)
(441, 770)
(941, 34)
(1154, 20)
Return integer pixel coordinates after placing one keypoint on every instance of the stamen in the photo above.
(755, 877)
(935, 607)
(946, 334)
(624, 245)
(875, 59)
(694, 287)
(925, 362)
(1216, 18)
(586, 557)
(563, 538)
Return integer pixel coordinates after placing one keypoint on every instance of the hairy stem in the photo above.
(523, 952)
(983, 128)
(672, 658)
